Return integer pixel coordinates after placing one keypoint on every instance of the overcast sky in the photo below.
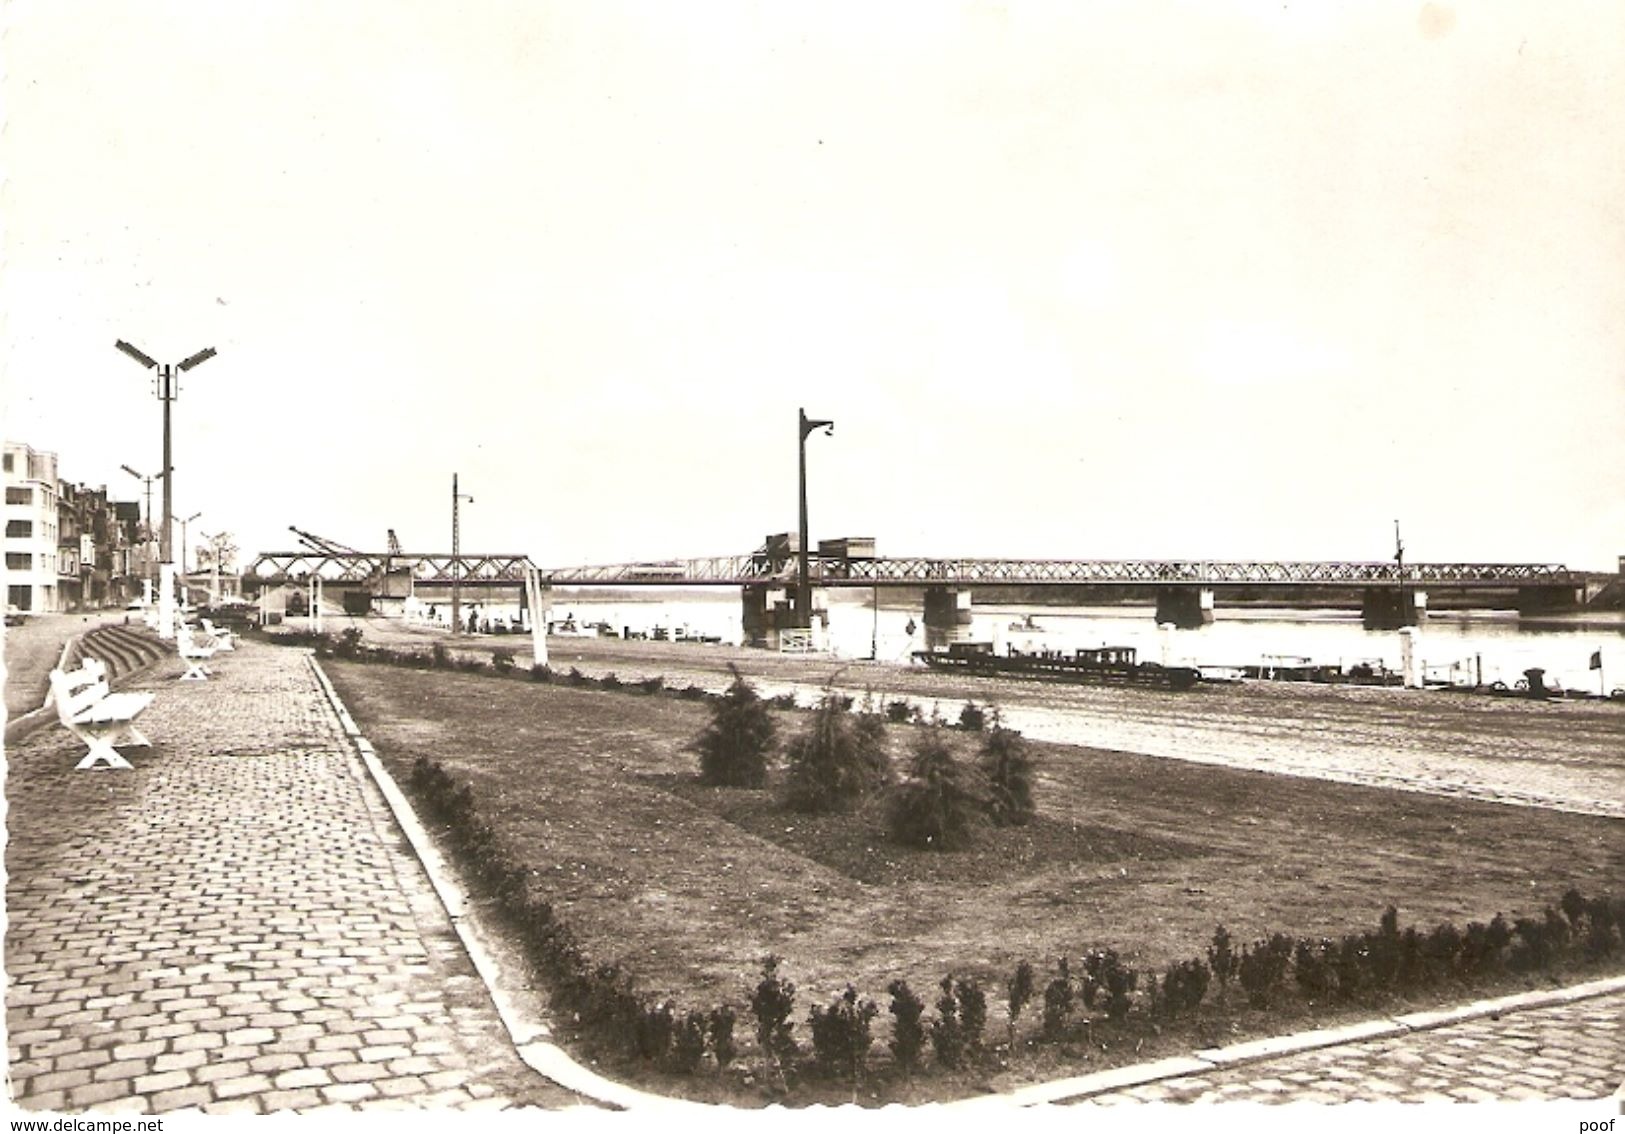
(1216, 279)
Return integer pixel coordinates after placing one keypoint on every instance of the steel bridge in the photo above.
(271, 568)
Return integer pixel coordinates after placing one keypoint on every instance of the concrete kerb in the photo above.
(551, 1061)
(528, 1034)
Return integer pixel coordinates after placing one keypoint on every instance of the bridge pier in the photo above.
(1548, 600)
(767, 610)
(1188, 608)
(947, 616)
(1389, 608)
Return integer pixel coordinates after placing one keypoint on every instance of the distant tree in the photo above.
(734, 746)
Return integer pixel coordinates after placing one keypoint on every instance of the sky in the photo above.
(1227, 279)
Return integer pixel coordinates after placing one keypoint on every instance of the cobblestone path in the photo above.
(236, 924)
(1570, 1051)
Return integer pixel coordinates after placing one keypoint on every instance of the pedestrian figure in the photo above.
(473, 619)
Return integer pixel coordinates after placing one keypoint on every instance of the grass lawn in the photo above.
(691, 886)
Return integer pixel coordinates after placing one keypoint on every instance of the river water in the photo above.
(1453, 646)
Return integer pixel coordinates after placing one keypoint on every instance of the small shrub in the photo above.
(972, 717)
(772, 1003)
(610, 681)
(1184, 985)
(1020, 994)
(688, 1044)
(439, 656)
(734, 746)
(1006, 765)
(842, 1034)
(1352, 966)
(900, 712)
(1313, 969)
(832, 764)
(948, 1030)
(652, 685)
(657, 1024)
(1600, 935)
(934, 808)
(1107, 973)
(692, 693)
(541, 673)
(1440, 950)
(972, 1012)
(1262, 969)
(721, 1027)
(1573, 905)
(502, 660)
(908, 1034)
(1412, 969)
(576, 679)
(1222, 961)
(783, 701)
(1059, 998)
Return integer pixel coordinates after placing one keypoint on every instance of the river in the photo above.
(1454, 646)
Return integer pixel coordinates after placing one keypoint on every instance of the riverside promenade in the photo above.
(239, 925)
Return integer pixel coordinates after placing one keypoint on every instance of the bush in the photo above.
(1262, 969)
(948, 1030)
(1222, 961)
(502, 660)
(541, 673)
(1006, 764)
(841, 1035)
(721, 1027)
(652, 685)
(934, 808)
(972, 717)
(1107, 973)
(439, 656)
(688, 1044)
(833, 763)
(772, 1003)
(656, 1026)
(609, 681)
(734, 746)
(783, 701)
(901, 712)
(1184, 985)
(1020, 993)
(1058, 1003)
(1312, 966)
(908, 1034)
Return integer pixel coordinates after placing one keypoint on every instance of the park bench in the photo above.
(194, 650)
(89, 709)
(223, 639)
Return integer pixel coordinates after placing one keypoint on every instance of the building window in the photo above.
(24, 495)
(19, 561)
(8, 462)
(19, 529)
(21, 597)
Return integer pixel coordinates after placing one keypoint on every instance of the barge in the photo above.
(1108, 665)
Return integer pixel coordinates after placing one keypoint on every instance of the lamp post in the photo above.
(803, 586)
(214, 565)
(168, 385)
(183, 524)
(456, 557)
(147, 482)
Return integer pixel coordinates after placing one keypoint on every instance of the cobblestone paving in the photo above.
(237, 924)
(1572, 1051)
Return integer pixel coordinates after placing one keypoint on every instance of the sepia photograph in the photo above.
(623, 563)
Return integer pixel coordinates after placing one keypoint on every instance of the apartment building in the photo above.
(31, 528)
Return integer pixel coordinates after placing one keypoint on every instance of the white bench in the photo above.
(223, 639)
(194, 651)
(90, 710)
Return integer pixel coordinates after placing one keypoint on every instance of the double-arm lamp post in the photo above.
(167, 379)
(803, 584)
(146, 549)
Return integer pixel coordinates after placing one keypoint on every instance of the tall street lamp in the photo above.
(183, 524)
(147, 481)
(803, 586)
(456, 557)
(168, 386)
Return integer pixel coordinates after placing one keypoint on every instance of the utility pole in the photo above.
(147, 535)
(803, 584)
(456, 557)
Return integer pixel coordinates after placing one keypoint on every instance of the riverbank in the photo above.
(1564, 755)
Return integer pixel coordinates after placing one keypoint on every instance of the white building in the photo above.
(31, 528)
